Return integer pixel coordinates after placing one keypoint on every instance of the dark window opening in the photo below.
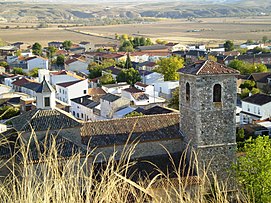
(187, 91)
(47, 101)
(85, 91)
(217, 93)
(73, 113)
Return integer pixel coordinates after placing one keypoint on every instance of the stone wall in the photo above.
(207, 126)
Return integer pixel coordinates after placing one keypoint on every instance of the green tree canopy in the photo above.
(133, 114)
(34, 72)
(128, 63)
(67, 44)
(253, 169)
(249, 84)
(174, 101)
(131, 76)
(247, 68)
(169, 67)
(228, 45)
(51, 51)
(4, 64)
(60, 60)
(126, 46)
(107, 79)
(18, 71)
(95, 69)
(37, 49)
(264, 39)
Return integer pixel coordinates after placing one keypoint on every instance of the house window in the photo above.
(248, 108)
(85, 91)
(77, 115)
(259, 111)
(82, 115)
(73, 113)
(187, 92)
(46, 101)
(217, 93)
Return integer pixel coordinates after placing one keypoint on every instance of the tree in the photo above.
(18, 71)
(212, 58)
(126, 46)
(34, 72)
(67, 44)
(253, 170)
(51, 51)
(95, 69)
(247, 68)
(4, 64)
(159, 41)
(133, 114)
(169, 66)
(228, 45)
(174, 101)
(37, 49)
(245, 93)
(131, 76)
(107, 79)
(60, 60)
(250, 41)
(128, 63)
(264, 39)
(249, 84)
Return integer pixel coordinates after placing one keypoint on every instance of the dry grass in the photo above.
(74, 180)
(216, 30)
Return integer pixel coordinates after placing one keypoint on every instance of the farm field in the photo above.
(212, 30)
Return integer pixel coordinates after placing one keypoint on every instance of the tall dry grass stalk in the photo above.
(56, 179)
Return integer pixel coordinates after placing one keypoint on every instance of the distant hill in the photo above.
(66, 10)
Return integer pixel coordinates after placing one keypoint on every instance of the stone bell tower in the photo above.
(207, 114)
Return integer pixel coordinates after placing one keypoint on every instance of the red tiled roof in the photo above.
(133, 90)
(96, 91)
(207, 67)
(34, 57)
(67, 84)
(141, 84)
(22, 81)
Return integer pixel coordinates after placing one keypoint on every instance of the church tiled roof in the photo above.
(207, 67)
(42, 120)
(65, 148)
(144, 128)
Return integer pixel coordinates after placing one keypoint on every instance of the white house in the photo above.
(165, 88)
(111, 103)
(136, 96)
(70, 90)
(254, 108)
(87, 46)
(76, 64)
(36, 62)
(149, 77)
(63, 76)
(148, 89)
(83, 108)
(250, 46)
(115, 88)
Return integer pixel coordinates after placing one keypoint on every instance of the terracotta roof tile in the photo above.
(42, 120)
(144, 128)
(207, 67)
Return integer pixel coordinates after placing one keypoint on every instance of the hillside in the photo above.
(60, 12)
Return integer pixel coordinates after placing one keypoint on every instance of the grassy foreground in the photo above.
(54, 179)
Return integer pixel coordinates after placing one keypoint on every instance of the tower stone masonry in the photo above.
(207, 115)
